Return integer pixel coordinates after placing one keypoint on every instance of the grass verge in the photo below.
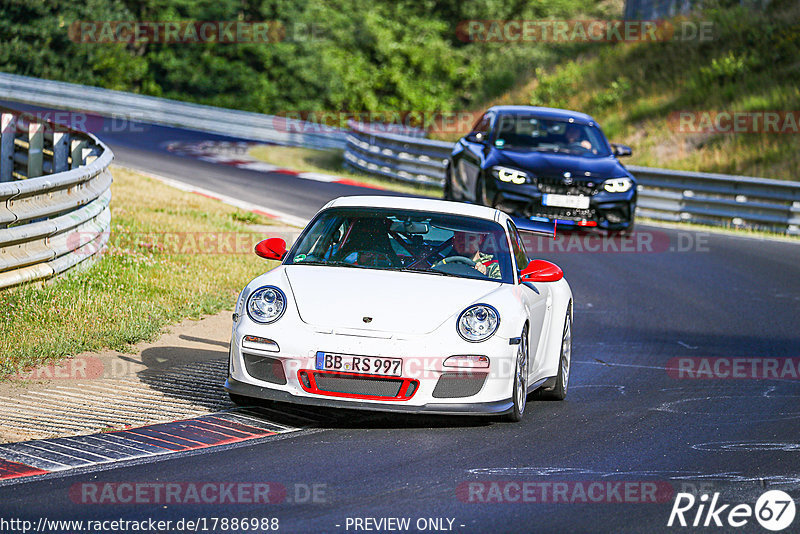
(170, 258)
(332, 162)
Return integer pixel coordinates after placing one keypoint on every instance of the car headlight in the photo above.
(266, 304)
(478, 322)
(618, 185)
(509, 175)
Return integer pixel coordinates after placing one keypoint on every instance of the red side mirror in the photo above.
(541, 271)
(273, 248)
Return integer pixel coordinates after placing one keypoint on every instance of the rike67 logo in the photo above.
(774, 510)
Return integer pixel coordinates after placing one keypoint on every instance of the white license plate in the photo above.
(347, 363)
(566, 201)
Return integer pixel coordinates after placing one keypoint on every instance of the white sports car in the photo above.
(403, 304)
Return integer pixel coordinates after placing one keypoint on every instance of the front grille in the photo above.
(457, 385)
(266, 369)
(554, 212)
(373, 387)
(556, 186)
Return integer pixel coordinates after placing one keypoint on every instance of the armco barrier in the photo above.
(54, 196)
(152, 110)
(409, 159)
(666, 195)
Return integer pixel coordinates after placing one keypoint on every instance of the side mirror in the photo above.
(621, 151)
(273, 248)
(541, 271)
(476, 137)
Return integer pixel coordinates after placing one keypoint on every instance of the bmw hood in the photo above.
(550, 164)
(380, 301)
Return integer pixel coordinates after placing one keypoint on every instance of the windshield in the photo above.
(528, 132)
(404, 240)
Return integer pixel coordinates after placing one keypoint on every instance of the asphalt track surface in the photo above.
(680, 294)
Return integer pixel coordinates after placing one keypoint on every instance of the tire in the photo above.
(480, 193)
(448, 183)
(626, 232)
(519, 391)
(559, 390)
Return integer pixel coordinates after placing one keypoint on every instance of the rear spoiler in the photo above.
(536, 227)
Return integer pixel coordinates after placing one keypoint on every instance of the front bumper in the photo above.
(291, 375)
(478, 408)
(609, 211)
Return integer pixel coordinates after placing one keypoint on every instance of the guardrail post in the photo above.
(35, 146)
(76, 153)
(8, 130)
(60, 151)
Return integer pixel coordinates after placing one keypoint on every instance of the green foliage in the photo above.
(336, 55)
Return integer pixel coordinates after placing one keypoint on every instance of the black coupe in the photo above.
(545, 165)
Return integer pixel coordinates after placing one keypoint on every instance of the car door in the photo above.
(536, 299)
(468, 165)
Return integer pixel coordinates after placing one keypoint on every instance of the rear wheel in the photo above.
(559, 389)
(519, 392)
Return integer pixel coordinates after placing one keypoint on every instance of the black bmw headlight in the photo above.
(512, 176)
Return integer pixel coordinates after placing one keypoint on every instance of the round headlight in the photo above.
(478, 322)
(266, 304)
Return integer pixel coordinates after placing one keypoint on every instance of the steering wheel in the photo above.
(455, 259)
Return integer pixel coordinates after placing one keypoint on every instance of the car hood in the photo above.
(339, 298)
(550, 164)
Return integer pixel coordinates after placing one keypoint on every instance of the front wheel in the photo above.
(559, 389)
(519, 392)
(448, 183)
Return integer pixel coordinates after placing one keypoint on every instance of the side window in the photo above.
(483, 126)
(517, 247)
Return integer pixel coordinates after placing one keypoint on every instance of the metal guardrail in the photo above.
(54, 197)
(153, 110)
(666, 195)
(404, 158)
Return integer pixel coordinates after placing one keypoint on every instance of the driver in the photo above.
(467, 244)
(575, 137)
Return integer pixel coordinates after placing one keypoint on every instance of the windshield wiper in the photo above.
(331, 263)
(439, 273)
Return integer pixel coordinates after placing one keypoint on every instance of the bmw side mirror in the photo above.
(476, 137)
(541, 271)
(621, 151)
(273, 248)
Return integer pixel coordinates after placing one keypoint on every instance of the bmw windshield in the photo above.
(532, 133)
(404, 240)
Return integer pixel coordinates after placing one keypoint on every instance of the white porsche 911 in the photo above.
(403, 304)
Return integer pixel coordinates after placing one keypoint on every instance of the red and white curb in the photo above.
(236, 155)
(25, 459)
